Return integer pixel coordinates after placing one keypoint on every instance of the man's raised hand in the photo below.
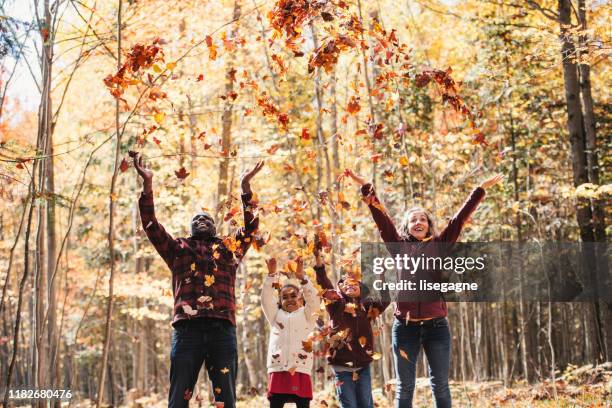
(248, 175)
(144, 172)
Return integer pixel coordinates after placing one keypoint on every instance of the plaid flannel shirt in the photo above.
(203, 271)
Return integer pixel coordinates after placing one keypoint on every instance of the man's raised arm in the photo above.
(161, 240)
(251, 220)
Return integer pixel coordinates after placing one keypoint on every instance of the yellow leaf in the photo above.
(159, 117)
(225, 370)
(376, 356)
(363, 341)
(193, 266)
(209, 280)
(403, 161)
(171, 66)
(157, 68)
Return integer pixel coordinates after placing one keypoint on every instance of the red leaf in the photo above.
(124, 166)
(305, 134)
(200, 78)
(181, 173)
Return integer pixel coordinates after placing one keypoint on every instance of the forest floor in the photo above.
(576, 387)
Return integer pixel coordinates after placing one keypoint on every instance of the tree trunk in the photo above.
(111, 231)
(226, 132)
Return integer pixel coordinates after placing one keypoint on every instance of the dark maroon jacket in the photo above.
(349, 325)
(422, 310)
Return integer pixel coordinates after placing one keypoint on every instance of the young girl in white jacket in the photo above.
(291, 313)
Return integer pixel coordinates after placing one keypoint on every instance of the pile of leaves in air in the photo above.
(139, 58)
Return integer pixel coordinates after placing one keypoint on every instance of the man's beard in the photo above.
(205, 234)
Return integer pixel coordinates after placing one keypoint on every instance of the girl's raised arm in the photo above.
(269, 297)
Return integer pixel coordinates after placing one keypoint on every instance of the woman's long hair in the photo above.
(403, 230)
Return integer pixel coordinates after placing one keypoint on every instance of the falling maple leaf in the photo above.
(124, 166)
(362, 341)
(209, 280)
(224, 370)
(307, 346)
(353, 106)
(272, 149)
(212, 48)
(181, 173)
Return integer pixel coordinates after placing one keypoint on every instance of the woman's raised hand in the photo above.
(490, 182)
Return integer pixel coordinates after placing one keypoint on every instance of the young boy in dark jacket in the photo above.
(351, 342)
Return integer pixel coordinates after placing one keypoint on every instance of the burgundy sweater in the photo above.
(351, 338)
(422, 310)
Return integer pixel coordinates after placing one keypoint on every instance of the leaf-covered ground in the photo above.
(577, 387)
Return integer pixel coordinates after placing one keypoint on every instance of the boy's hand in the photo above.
(316, 250)
(271, 263)
(332, 295)
(490, 182)
(145, 173)
(248, 175)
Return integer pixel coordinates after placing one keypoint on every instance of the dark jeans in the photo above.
(279, 400)
(355, 394)
(434, 337)
(203, 341)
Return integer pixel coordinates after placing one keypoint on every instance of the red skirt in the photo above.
(282, 382)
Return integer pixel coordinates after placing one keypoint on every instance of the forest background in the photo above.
(424, 97)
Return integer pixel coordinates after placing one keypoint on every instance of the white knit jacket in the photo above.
(289, 330)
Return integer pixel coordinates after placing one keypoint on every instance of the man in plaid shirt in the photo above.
(203, 270)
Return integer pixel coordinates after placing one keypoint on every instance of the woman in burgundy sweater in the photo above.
(421, 323)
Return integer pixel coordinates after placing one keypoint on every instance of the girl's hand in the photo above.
(332, 295)
(358, 179)
(490, 182)
(299, 271)
(271, 263)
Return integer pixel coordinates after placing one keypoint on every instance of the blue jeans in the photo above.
(355, 394)
(434, 337)
(203, 341)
